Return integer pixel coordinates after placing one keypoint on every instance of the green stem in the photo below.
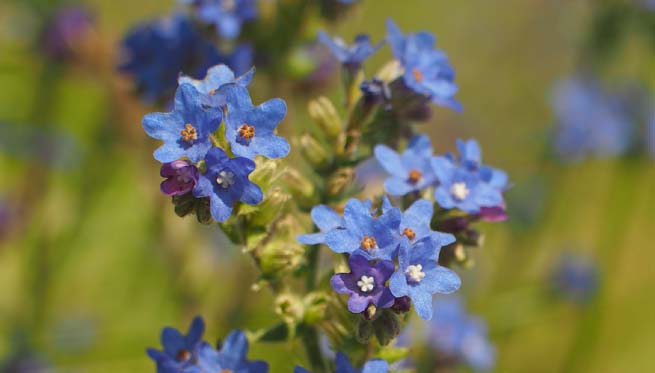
(310, 340)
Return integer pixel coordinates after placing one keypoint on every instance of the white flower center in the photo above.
(366, 283)
(415, 273)
(459, 190)
(225, 179)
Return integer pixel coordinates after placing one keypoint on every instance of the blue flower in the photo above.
(225, 182)
(157, 52)
(426, 69)
(344, 366)
(216, 77)
(650, 135)
(590, 122)
(226, 15)
(186, 130)
(179, 350)
(231, 357)
(576, 278)
(419, 276)
(326, 219)
(415, 222)
(409, 172)
(350, 56)
(457, 334)
(374, 238)
(250, 129)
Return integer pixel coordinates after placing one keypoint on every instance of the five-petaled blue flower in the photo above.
(250, 129)
(216, 77)
(344, 366)
(373, 237)
(179, 350)
(366, 283)
(415, 222)
(225, 182)
(456, 334)
(231, 357)
(409, 172)
(419, 276)
(351, 56)
(157, 52)
(326, 219)
(426, 69)
(226, 15)
(186, 130)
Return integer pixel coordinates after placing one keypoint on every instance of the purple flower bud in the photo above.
(493, 214)
(66, 31)
(181, 176)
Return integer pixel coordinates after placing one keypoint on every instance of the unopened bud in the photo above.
(313, 151)
(184, 204)
(316, 304)
(340, 181)
(279, 258)
(271, 207)
(323, 112)
(266, 172)
(401, 305)
(289, 307)
(364, 331)
(203, 213)
(300, 187)
(386, 327)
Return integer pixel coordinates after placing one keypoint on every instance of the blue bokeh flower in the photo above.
(179, 350)
(186, 130)
(419, 276)
(366, 283)
(250, 129)
(410, 171)
(427, 70)
(351, 56)
(227, 16)
(363, 233)
(226, 182)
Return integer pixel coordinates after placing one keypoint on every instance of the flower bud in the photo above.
(340, 181)
(364, 330)
(203, 214)
(184, 204)
(401, 305)
(303, 190)
(313, 151)
(290, 308)
(271, 207)
(266, 172)
(316, 305)
(325, 115)
(279, 257)
(386, 327)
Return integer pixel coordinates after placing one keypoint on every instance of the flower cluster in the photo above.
(391, 255)
(193, 162)
(189, 353)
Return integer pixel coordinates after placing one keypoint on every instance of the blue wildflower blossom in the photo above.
(375, 238)
(186, 130)
(650, 135)
(453, 332)
(157, 52)
(427, 70)
(419, 276)
(576, 278)
(231, 357)
(351, 56)
(344, 366)
(226, 15)
(225, 182)
(415, 222)
(179, 350)
(409, 172)
(326, 219)
(589, 122)
(216, 77)
(250, 129)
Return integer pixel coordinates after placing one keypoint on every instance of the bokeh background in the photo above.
(93, 262)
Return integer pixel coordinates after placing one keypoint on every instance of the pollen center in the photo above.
(366, 283)
(189, 133)
(459, 190)
(247, 132)
(410, 234)
(183, 355)
(368, 243)
(415, 272)
(417, 75)
(414, 176)
(225, 179)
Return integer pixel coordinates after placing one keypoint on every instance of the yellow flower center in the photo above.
(414, 176)
(417, 75)
(246, 131)
(410, 234)
(189, 133)
(368, 243)
(183, 355)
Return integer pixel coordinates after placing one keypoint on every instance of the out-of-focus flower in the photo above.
(650, 135)
(376, 91)
(575, 277)
(366, 284)
(156, 53)
(326, 219)
(186, 130)
(427, 70)
(250, 129)
(455, 333)
(371, 237)
(410, 171)
(351, 56)
(181, 176)
(589, 121)
(227, 16)
(216, 77)
(419, 276)
(231, 357)
(66, 32)
(180, 350)
(465, 184)
(344, 366)
(225, 182)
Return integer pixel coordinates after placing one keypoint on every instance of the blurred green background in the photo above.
(93, 262)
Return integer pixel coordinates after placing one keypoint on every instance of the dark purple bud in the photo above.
(453, 225)
(376, 91)
(181, 176)
(402, 304)
(493, 214)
